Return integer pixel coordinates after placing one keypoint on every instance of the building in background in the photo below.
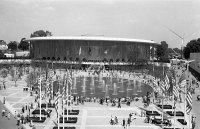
(91, 48)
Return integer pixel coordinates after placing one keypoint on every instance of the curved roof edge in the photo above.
(91, 38)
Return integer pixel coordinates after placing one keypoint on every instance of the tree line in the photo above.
(23, 44)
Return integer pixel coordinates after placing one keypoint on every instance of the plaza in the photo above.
(92, 114)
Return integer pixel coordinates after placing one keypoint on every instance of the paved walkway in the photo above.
(92, 115)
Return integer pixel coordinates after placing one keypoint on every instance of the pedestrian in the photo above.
(18, 121)
(15, 115)
(193, 122)
(128, 121)
(26, 107)
(22, 109)
(124, 123)
(3, 112)
(119, 104)
(4, 100)
(22, 119)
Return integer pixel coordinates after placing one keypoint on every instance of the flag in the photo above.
(69, 77)
(175, 91)
(162, 86)
(167, 84)
(56, 100)
(155, 82)
(79, 51)
(189, 102)
(188, 109)
(183, 83)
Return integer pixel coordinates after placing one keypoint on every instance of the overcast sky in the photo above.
(140, 19)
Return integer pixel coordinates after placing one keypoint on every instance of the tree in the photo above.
(41, 33)
(191, 47)
(31, 79)
(4, 74)
(14, 75)
(3, 45)
(12, 45)
(23, 45)
(162, 52)
(159, 52)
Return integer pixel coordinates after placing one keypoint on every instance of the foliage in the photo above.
(14, 75)
(159, 52)
(191, 47)
(31, 79)
(3, 45)
(23, 45)
(4, 73)
(12, 45)
(162, 52)
(186, 52)
(41, 33)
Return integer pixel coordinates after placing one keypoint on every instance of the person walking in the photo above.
(3, 112)
(4, 100)
(124, 123)
(18, 121)
(193, 122)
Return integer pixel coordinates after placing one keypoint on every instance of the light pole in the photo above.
(182, 40)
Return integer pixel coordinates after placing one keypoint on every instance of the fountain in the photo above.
(74, 89)
(83, 86)
(111, 84)
(121, 85)
(100, 78)
(134, 87)
(139, 86)
(114, 89)
(103, 86)
(128, 88)
(92, 85)
(107, 92)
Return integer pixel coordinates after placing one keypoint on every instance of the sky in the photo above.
(137, 19)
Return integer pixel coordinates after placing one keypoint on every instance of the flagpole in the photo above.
(162, 111)
(189, 119)
(63, 102)
(58, 116)
(185, 94)
(174, 114)
(67, 94)
(40, 95)
(58, 108)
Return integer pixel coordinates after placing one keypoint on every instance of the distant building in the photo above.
(91, 48)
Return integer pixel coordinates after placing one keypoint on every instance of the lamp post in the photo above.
(182, 40)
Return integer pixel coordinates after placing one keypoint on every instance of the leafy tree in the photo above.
(191, 47)
(4, 74)
(186, 52)
(162, 51)
(12, 45)
(41, 33)
(159, 52)
(31, 79)
(14, 75)
(23, 45)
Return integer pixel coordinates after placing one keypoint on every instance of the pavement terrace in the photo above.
(92, 115)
